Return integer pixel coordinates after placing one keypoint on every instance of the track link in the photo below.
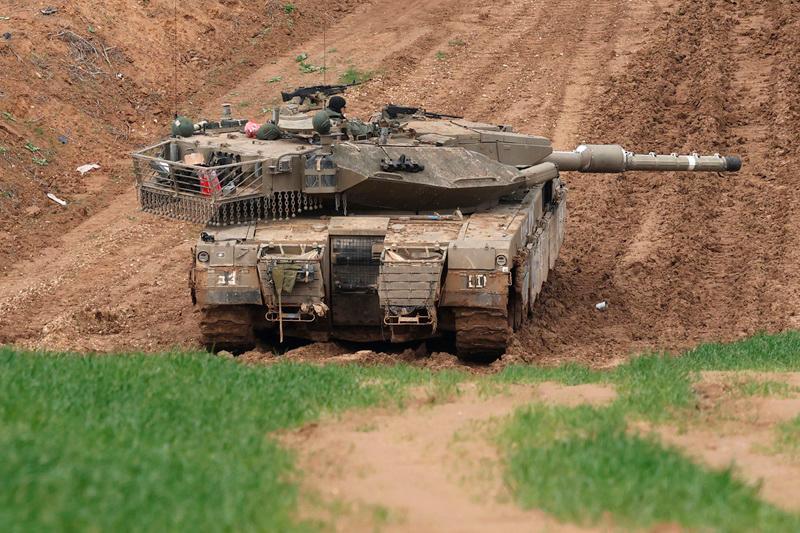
(228, 327)
(481, 334)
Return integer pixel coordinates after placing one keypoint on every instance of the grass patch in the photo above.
(569, 374)
(788, 440)
(440, 56)
(353, 75)
(174, 442)
(763, 352)
(755, 387)
(579, 464)
(582, 463)
(653, 386)
(307, 67)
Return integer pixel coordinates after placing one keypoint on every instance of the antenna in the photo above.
(324, 54)
(175, 58)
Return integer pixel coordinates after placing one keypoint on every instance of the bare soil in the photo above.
(430, 467)
(680, 258)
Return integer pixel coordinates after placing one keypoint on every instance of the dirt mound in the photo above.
(89, 83)
(685, 258)
(336, 353)
(94, 79)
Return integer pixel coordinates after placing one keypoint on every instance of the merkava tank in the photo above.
(409, 227)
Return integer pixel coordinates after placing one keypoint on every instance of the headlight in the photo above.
(501, 260)
(203, 256)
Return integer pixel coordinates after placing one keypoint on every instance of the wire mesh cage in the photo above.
(222, 189)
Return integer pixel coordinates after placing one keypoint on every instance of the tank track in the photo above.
(481, 334)
(228, 327)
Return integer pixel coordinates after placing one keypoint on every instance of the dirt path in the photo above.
(428, 468)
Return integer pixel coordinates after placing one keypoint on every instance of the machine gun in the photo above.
(393, 111)
(308, 92)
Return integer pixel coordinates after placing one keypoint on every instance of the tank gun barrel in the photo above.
(614, 158)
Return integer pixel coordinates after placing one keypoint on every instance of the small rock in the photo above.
(225, 353)
(33, 211)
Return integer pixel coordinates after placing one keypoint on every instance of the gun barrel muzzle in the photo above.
(614, 158)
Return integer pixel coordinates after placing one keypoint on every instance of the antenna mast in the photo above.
(324, 54)
(175, 58)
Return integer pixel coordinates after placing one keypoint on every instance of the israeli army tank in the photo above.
(410, 226)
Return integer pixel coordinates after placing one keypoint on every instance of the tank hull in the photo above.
(396, 277)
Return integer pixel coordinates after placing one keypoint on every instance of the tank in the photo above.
(408, 227)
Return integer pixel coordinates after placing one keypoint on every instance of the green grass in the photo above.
(183, 441)
(164, 443)
(569, 374)
(755, 387)
(584, 463)
(354, 75)
(761, 352)
(788, 440)
(579, 464)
